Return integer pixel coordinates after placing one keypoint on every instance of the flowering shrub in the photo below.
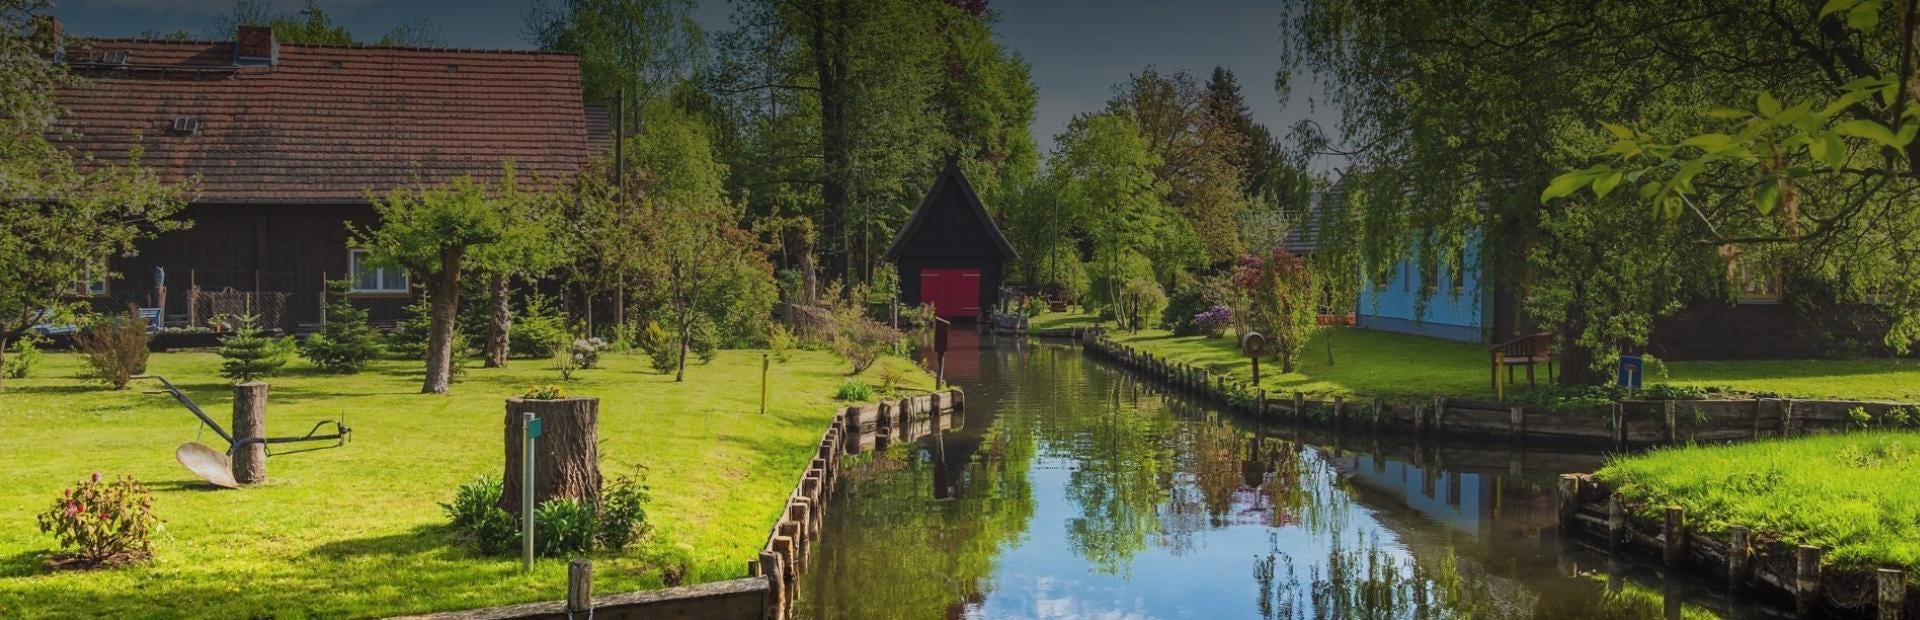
(586, 352)
(544, 392)
(102, 523)
(1214, 321)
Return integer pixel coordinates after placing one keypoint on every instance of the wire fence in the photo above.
(291, 302)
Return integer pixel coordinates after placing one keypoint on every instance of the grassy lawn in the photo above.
(1053, 320)
(1393, 365)
(1852, 494)
(357, 531)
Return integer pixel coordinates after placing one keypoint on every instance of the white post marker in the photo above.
(530, 429)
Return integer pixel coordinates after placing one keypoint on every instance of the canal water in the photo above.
(1072, 489)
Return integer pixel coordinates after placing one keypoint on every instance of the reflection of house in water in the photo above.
(1477, 503)
(964, 354)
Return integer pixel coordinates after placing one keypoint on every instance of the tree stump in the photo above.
(250, 429)
(566, 454)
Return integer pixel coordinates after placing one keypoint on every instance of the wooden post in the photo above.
(1419, 421)
(1806, 580)
(766, 361)
(1260, 404)
(1378, 408)
(250, 432)
(1299, 406)
(579, 586)
(1674, 548)
(1569, 499)
(323, 298)
(1517, 421)
(771, 568)
(1739, 551)
(1673, 421)
(1616, 523)
(1890, 587)
(1439, 413)
(1619, 424)
(1339, 411)
(1786, 417)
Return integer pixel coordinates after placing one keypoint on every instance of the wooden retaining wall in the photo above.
(737, 598)
(1744, 560)
(858, 428)
(1618, 424)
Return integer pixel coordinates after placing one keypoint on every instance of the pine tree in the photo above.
(250, 353)
(347, 342)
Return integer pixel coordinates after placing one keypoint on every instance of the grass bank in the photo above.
(1392, 365)
(1851, 494)
(357, 531)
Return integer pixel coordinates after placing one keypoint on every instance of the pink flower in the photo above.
(73, 508)
(96, 476)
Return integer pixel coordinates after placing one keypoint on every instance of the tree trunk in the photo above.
(830, 63)
(681, 374)
(3, 363)
(250, 423)
(501, 323)
(444, 304)
(566, 456)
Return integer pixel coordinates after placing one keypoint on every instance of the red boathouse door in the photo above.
(953, 292)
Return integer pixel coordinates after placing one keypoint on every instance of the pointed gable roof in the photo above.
(951, 179)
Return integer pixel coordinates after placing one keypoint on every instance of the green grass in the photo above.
(1851, 494)
(1053, 320)
(1371, 363)
(357, 531)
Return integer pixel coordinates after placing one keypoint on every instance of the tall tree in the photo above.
(311, 24)
(1105, 183)
(643, 48)
(1198, 156)
(61, 218)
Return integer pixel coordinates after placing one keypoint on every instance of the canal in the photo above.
(1072, 489)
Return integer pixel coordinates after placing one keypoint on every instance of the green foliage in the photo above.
(539, 330)
(1279, 300)
(544, 392)
(703, 339)
(853, 390)
(250, 354)
(861, 340)
(1669, 391)
(102, 523)
(1851, 494)
(478, 520)
(623, 513)
(116, 347)
(347, 342)
(564, 527)
(781, 341)
(661, 347)
(1035, 306)
(26, 355)
(585, 352)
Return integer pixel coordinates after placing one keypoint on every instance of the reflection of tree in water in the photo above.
(1122, 474)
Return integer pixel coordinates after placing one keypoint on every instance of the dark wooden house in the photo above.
(284, 144)
(950, 253)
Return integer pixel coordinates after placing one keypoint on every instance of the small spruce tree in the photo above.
(250, 353)
(347, 342)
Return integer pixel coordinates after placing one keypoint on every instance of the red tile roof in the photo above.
(327, 123)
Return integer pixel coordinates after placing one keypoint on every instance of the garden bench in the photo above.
(1523, 351)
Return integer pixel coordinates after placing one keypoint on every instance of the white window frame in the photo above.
(90, 283)
(383, 276)
(1756, 281)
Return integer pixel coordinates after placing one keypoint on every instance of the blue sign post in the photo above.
(1632, 371)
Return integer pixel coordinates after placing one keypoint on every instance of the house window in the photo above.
(368, 278)
(1757, 280)
(91, 283)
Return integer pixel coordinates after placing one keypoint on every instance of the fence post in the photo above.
(579, 586)
(1517, 421)
(323, 298)
(1786, 417)
(1806, 579)
(1673, 421)
(1738, 550)
(1616, 523)
(1891, 587)
(1675, 548)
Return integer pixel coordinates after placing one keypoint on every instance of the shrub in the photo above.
(1668, 391)
(585, 352)
(250, 354)
(660, 346)
(1035, 306)
(1182, 309)
(26, 355)
(1140, 300)
(781, 340)
(347, 342)
(862, 341)
(891, 378)
(703, 338)
(102, 523)
(116, 347)
(564, 526)
(478, 520)
(544, 392)
(1213, 322)
(408, 340)
(539, 331)
(623, 513)
(853, 391)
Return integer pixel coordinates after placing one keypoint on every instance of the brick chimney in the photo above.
(254, 45)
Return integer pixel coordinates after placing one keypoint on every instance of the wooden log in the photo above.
(1674, 537)
(250, 433)
(772, 568)
(579, 586)
(566, 459)
(1739, 556)
(1806, 580)
(1616, 523)
(1890, 588)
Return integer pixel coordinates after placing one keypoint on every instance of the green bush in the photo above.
(116, 347)
(539, 331)
(1180, 310)
(102, 523)
(250, 354)
(347, 342)
(781, 340)
(26, 355)
(661, 346)
(862, 340)
(703, 338)
(853, 391)
(563, 527)
(1035, 306)
(408, 340)
(623, 513)
(478, 520)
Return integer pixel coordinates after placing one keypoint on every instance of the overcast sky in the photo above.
(1079, 49)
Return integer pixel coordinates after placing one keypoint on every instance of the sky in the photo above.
(1079, 49)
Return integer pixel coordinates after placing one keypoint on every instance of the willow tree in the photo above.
(61, 217)
(1454, 122)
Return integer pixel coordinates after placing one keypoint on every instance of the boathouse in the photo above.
(950, 253)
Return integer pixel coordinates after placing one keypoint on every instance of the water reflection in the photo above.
(1074, 490)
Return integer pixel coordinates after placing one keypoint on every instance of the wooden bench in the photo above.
(1523, 351)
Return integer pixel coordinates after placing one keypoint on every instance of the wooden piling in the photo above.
(1671, 411)
(1299, 406)
(1517, 422)
(1674, 546)
(1739, 555)
(1890, 590)
(1616, 523)
(1806, 580)
(1378, 408)
(1439, 414)
(250, 433)
(1569, 499)
(1339, 412)
(579, 586)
